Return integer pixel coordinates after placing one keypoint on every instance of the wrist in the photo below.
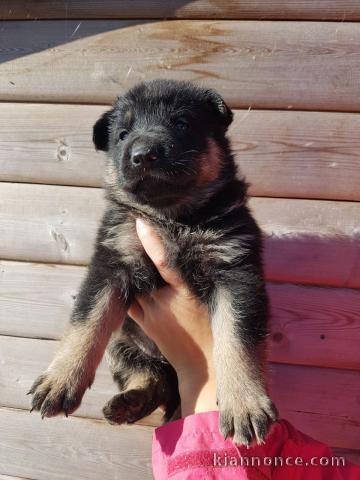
(197, 394)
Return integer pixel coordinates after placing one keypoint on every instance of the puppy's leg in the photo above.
(98, 311)
(239, 328)
(145, 383)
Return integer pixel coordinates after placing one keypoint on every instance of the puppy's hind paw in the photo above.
(128, 407)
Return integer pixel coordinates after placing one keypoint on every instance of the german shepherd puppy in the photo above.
(168, 162)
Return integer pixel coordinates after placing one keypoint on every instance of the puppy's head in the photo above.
(165, 141)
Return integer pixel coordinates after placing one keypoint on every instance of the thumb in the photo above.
(154, 247)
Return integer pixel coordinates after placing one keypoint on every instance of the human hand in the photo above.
(179, 325)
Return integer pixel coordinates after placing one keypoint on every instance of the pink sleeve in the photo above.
(193, 448)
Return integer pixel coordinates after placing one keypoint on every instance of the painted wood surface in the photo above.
(321, 402)
(286, 65)
(309, 325)
(282, 153)
(89, 448)
(85, 449)
(304, 242)
(230, 9)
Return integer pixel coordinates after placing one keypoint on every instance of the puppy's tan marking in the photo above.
(128, 243)
(128, 117)
(210, 164)
(72, 371)
(243, 403)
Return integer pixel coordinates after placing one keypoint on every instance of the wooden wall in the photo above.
(291, 71)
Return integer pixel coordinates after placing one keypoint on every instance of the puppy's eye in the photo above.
(181, 125)
(123, 134)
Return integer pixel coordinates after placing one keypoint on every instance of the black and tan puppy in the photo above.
(169, 162)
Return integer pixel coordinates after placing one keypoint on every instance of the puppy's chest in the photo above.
(122, 239)
(183, 244)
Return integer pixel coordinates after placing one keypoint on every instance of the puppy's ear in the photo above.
(224, 113)
(101, 132)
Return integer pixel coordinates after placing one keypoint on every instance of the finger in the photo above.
(155, 249)
(136, 312)
(145, 301)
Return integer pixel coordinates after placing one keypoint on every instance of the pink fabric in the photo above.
(193, 448)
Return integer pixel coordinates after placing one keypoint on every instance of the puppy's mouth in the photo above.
(171, 174)
(158, 189)
(146, 179)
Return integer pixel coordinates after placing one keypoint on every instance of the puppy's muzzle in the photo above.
(143, 156)
(146, 153)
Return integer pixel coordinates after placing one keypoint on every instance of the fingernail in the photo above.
(141, 227)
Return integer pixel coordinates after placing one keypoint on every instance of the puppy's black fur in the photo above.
(169, 162)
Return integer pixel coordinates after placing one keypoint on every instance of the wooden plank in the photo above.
(305, 241)
(299, 154)
(304, 238)
(36, 299)
(314, 326)
(309, 325)
(231, 9)
(282, 154)
(47, 223)
(327, 428)
(328, 396)
(6, 477)
(72, 448)
(17, 379)
(284, 65)
(96, 450)
(49, 144)
(313, 400)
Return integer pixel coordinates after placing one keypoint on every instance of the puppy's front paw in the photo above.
(247, 418)
(59, 390)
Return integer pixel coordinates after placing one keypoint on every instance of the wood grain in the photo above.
(36, 299)
(314, 326)
(16, 378)
(304, 238)
(6, 477)
(231, 9)
(329, 395)
(48, 223)
(89, 449)
(303, 392)
(309, 325)
(299, 154)
(282, 154)
(278, 65)
(49, 144)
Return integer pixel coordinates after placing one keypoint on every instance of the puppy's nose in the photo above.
(141, 156)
